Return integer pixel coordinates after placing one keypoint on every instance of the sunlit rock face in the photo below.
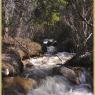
(30, 48)
(23, 47)
(17, 85)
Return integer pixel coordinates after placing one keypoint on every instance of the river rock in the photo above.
(18, 85)
(24, 47)
(11, 65)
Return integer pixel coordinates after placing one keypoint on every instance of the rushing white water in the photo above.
(58, 85)
(49, 82)
(51, 60)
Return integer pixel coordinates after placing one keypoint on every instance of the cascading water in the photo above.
(50, 82)
(59, 85)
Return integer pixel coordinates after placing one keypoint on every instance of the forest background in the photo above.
(59, 19)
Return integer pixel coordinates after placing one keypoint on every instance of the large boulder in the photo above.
(22, 47)
(18, 85)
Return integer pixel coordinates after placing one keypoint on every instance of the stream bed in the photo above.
(44, 76)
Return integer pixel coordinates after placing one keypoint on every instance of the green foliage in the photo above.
(48, 11)
(55, 17)
(62, 2)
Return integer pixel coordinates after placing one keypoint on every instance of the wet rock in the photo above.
(49, 42)
(18, 85)
(77, 75)
(18, 51)
(37, 73)
(49, 46)
(27, 66)
(67, 73)
(84, 76)
(11, 65)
